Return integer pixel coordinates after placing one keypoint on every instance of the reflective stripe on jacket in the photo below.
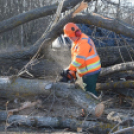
(84, 57)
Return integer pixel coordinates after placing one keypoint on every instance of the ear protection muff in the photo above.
(77, 32)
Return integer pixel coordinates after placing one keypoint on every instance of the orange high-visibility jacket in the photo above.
(84, 57)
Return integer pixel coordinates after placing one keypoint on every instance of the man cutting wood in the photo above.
(85, 59)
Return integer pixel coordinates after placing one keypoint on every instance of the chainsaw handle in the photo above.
(64, 72)
(67, 76)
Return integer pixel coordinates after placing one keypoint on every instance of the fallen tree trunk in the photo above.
(116, 68)
(123, 88)
(25, 87)
(55, 60)
(115, 85)
(54, 122)
(116, 76)
(114, 25)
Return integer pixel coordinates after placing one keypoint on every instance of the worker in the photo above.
(85, 60)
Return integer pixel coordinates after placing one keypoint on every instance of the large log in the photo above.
(117, 76)
(115, 85)
(55, 122)
(55, 60)
(124, 88)
(118, 67)
(114, 25)
(26, 87)
(117, 26)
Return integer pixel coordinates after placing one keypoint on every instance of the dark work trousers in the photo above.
(89, 82)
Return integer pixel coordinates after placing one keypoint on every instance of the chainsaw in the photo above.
(68, 76)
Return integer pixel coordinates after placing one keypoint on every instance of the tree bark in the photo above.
(114, 25)
(55, 122)
(116, 68)
(115, 85)
(117, 76)
(25, 87)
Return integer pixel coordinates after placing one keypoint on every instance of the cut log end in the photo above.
(99, 109)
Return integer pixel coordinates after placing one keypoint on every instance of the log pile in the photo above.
(117, 100)
(51, 104)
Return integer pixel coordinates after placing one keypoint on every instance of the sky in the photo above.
(132, 1)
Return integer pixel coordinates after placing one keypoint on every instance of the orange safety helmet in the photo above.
(71, 30)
